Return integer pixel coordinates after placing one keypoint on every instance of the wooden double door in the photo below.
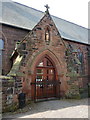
(46, 84)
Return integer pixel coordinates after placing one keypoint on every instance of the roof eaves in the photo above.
(13, 25)
(76, 41)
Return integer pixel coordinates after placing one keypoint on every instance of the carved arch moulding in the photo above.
(32, 63)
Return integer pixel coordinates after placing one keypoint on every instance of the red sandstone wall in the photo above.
(83, 48)
(10, 35)
(36, 48)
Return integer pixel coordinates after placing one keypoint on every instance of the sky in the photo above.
(75, 11)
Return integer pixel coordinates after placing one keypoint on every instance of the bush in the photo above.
(10, 108)
(83, 92)
(72, 95)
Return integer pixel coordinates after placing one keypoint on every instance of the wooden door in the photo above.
(45, 86)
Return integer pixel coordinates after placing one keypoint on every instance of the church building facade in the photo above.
(42, 63)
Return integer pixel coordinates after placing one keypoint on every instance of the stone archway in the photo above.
(39, 56)
(37, 89)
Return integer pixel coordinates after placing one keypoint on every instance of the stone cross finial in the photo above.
(47, 7)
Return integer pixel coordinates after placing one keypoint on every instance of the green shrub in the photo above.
(72, 95)
(10, 108)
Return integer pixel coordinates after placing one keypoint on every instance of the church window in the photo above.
(80, 57)
(1, 48)
(1, 44)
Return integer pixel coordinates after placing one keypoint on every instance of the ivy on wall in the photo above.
(74, 59)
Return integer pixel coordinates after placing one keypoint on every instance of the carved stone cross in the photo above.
(47, 7)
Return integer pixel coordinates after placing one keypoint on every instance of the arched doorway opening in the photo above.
(46, 83)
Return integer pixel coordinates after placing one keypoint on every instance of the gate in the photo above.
(46, 89)
(46, 86)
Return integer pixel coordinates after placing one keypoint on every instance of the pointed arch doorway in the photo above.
(46, 82)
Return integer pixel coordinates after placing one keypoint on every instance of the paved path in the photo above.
(56, 109)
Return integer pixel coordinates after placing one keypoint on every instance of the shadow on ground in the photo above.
(46, 106)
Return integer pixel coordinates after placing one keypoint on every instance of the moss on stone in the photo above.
(72, 94)
(10, 108)
(5, 77)
(16, 66)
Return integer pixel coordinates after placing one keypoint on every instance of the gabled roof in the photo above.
(26, 17)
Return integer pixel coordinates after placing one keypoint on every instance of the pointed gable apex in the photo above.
(45, 32)
(47, 21)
